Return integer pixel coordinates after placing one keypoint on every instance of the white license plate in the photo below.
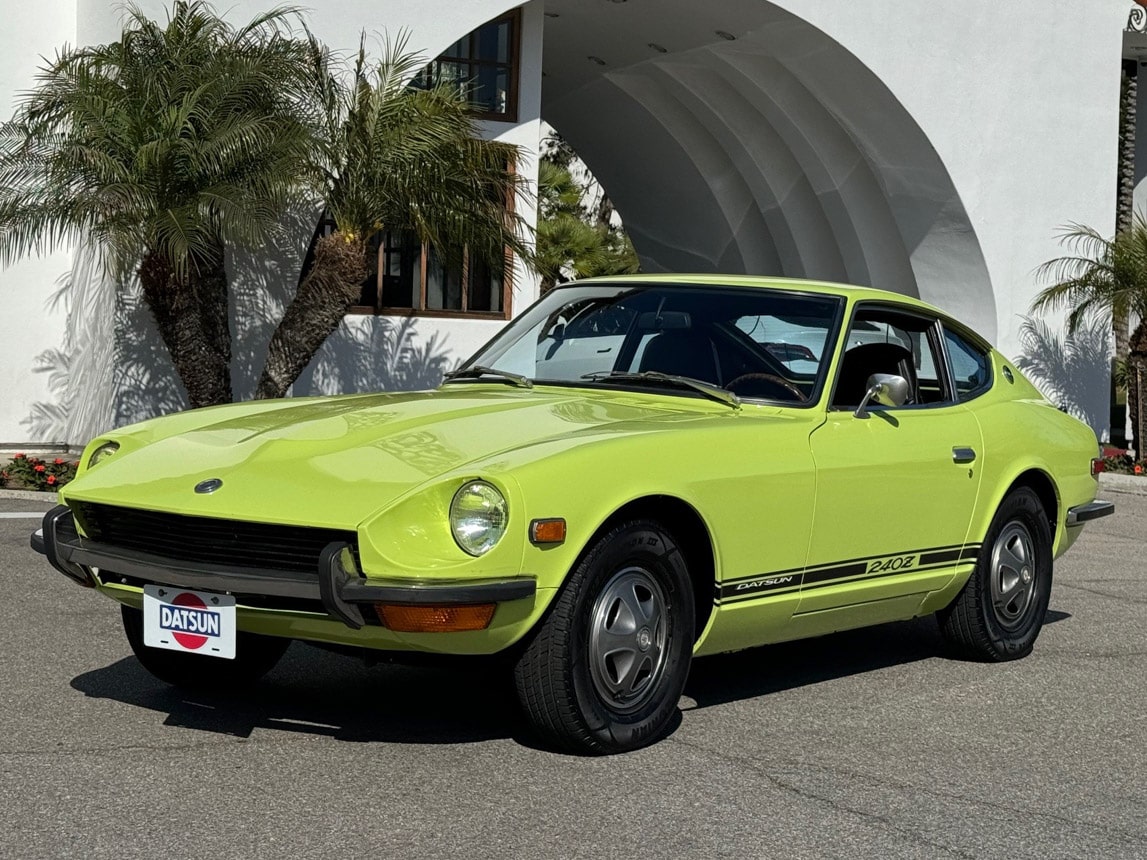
(195, 622)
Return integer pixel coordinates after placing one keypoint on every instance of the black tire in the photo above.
(1000, 611)
(567, 674)
(255, 656)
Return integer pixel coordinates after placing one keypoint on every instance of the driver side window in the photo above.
(883, 341)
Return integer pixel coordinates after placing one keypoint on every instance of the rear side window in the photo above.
(971, 371)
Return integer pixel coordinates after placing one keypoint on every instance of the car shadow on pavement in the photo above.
(315, 692)
(788, 665)
(318, 693)
(773, 668)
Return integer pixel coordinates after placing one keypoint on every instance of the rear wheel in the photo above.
(604, 671)
(255, 656)
(1000, 611)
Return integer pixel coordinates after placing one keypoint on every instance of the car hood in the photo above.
(336, 461)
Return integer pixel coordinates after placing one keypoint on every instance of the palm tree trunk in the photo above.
(1137, 362)
(324, 295)
(1124, 218)
(213, 295)
(198, 342)
(1128, 117)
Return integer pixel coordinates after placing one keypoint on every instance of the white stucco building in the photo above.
(929, 149)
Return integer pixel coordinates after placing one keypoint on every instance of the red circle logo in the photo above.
(189, 640)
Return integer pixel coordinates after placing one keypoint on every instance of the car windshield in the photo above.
(758, 344)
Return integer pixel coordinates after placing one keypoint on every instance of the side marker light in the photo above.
(547, 531)
(431, 618)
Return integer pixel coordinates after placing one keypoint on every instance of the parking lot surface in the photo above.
(872, 743)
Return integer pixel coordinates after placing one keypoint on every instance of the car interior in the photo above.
(896, 343)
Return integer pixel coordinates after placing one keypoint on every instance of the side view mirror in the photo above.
(884, 389)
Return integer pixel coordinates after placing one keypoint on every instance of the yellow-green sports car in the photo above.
(635, 472)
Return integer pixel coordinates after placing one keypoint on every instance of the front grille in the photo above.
(231, 543)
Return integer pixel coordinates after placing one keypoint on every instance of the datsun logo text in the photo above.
(189, 620)
(181, 620)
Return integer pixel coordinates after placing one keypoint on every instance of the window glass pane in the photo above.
(503, 53)
(695, 332)
(402, 270)
(796, 342)
(480, 66)
(456, 75)
(970, 369)
(485, 286)
(443, 284)
(486, 43)
(885, 342)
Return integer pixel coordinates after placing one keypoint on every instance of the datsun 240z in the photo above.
(635, 472)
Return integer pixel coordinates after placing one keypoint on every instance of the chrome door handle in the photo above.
(963, 455)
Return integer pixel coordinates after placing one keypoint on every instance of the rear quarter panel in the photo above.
(1022, 432)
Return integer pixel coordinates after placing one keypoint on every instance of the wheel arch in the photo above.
(1040, 483)
(695, 539)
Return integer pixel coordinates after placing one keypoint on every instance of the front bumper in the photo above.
(336, 584)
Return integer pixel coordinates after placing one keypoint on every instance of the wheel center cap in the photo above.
(1026, 575)
(644, 638)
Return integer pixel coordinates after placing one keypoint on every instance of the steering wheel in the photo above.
(771, 379)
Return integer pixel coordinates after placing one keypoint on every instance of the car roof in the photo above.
(763, 282)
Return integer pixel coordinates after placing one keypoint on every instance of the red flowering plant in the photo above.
(1122, 463)
(32, 473)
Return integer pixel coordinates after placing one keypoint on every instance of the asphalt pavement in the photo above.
(866, 744)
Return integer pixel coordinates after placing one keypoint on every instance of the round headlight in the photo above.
(102, 453)
(478, 517)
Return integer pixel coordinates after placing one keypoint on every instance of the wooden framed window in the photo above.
(410, 278)
(483, 65)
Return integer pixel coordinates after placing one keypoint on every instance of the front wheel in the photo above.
(1000, 611)
(255, 656)
(604, 671)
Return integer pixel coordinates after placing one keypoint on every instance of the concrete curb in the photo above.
(1123, 483)
(30, 496)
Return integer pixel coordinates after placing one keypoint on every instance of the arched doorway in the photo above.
(741, 138)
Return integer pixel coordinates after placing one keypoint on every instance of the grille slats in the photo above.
(232, 543)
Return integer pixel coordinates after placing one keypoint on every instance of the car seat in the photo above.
(682, 353)
(861, 362)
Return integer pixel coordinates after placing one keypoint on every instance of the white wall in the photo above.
(1020, 100)
(365, 353)
(28, 323)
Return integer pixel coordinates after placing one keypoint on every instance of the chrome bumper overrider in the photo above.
(336, 583)
(1091, 511)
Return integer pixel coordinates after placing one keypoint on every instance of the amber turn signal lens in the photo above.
(548, 531)
(412, 618)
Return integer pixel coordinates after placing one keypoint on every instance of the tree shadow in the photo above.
(1073, 372)
(113, 368)
(376, 354)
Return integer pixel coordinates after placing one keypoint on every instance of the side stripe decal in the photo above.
(820, 576)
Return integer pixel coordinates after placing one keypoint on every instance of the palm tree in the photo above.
(396, 157)
(568, 243)
(1107, 278)
(162, 149)
(1125, 201)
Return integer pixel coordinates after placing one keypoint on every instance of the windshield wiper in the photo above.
(481, 370)
(709, 390)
